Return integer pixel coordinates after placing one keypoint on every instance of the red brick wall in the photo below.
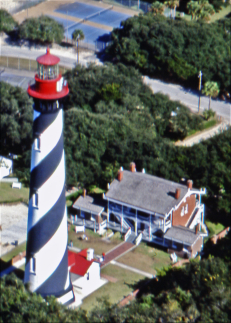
(18, 257)
(177, 219)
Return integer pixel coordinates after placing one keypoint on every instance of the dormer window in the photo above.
(182, 211)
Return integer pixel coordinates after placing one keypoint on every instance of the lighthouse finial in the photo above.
(48, 50)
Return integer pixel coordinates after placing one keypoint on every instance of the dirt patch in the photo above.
(10, 215)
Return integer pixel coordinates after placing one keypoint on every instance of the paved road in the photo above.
(189, 97)
(175, 92)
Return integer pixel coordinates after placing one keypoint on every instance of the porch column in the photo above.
(122, 219)
(149, 227)
(108, 210)
(164, 223)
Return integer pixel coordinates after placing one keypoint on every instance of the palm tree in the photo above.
(157, 8)
(193, 8)
(211, 89)
(76, 36)
(172, 4)
(201, 9)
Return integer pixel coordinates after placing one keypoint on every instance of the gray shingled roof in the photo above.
(87, 203)
(146, 191)
(179, 233)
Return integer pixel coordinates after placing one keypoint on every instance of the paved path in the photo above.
(135, 270)
(203, 135)
(117, 252)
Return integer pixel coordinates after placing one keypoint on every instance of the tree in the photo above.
(157, 8)
(76, 36)
(211, 89)
(201, 9)
(43, 29)
(172, 4)
(7, 22)
(193, 8)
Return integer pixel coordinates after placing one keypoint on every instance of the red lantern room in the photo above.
(49, 84)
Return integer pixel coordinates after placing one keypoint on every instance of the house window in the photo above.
(182, 211)
(186, 209)
(37, 143)
(35, 199)
(33, 265)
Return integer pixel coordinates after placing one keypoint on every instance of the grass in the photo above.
(205, 125)
(14, 252)
(219, 15)
(94, 241)
(11, 195)
(114, 292)
(214, 228)
(146, 258)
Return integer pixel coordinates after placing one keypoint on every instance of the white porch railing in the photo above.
(127, 234)
(196, 217)
(138, 239)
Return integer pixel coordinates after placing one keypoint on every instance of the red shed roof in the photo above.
(78, 262)
(48, 59)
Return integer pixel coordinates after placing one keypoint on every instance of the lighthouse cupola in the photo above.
(49, 84)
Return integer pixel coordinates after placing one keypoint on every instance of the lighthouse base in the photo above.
(67, 298)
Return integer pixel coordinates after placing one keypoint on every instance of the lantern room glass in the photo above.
(48, 72)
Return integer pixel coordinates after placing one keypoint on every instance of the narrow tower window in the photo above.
(33, 265)
(37, 143)
(35, 199)
(186, 209)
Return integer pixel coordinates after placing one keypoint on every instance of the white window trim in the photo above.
(186, 209)
(182, 211)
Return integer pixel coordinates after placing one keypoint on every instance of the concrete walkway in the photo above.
(135, 270)
(203, 135)
(117, 252)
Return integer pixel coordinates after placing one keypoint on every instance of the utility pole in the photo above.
(77, 45)
(200, 81)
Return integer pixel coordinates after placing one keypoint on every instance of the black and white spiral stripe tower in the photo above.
(46, 268)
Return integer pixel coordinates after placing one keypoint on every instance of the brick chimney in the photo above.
(197, 228)
(84, 192)
(120, 175)
(133, 167)
(177, 193)
(189, 184)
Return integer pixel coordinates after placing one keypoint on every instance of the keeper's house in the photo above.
(163, 212)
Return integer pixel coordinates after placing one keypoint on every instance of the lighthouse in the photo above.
(46, 268)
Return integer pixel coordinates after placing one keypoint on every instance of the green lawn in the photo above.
(94, 241)
(205, 126)
(218, 15)
(214, 228)
(114, 292)
(10, 195)
(14, 252)
(146, 258)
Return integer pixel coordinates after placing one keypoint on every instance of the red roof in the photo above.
(48, 59)
(78, 262)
